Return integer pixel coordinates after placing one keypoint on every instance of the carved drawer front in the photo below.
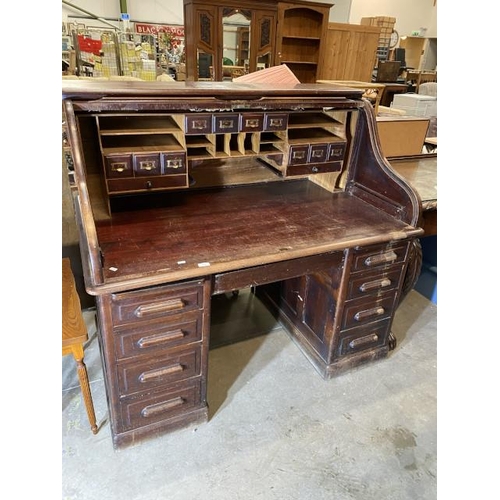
(336, 151)
(226, 123)
(173, 163)
(158, 406)
(154, 372)
(365, 310)
(147, 183)
(199, 123)
(251, 122)
(374, 283)
(365, 337)
(158, 335)
(158, 302)
(379, 256)
(119, 166)
(275, 121)
(147, 164)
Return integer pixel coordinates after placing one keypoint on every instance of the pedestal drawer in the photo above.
(154, 372)
(162, 301)
(374, 283)
(365, 337)
(364, 310)
(379, 256)
(158, 335)
(163, 405)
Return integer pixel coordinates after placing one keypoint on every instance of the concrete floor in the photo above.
(277, 430)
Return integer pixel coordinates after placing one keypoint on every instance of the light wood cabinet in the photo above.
(350, 52)
(266, 33)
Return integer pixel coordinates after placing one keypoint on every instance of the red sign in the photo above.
(154, 29)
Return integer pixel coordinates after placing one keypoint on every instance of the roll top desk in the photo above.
(188, 190)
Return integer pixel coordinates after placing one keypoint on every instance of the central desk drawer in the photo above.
(155, 372)
(162, 301)
(147, 183)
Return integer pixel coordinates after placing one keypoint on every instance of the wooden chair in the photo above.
(74, 335)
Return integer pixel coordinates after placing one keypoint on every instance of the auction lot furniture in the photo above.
(190, 190)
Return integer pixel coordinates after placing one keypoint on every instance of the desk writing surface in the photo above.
(213, 231)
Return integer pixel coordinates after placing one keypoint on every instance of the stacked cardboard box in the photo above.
(386, 25)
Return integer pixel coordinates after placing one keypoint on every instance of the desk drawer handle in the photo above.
(226, 124)
(199, 124)
(375, 260)
(318, 153)
(152, 410)
(174, 164)
(368, 339)
(368, 313)
(159, 307)
(251, 122)
(118, 167)
(153, 340)
(299, 155)
(373, 285)
(147, 165)
(161, 372)
(276, 122)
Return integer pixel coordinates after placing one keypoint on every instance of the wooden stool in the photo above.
(74, 335)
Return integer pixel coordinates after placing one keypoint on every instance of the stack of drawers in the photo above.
(372, 292)
(160, 349)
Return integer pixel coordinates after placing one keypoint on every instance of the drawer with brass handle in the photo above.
(365, 337)
(374, 283)
(379, 256)
(119, 166)
(147, 164)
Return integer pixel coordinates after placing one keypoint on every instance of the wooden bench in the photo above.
(74, 335)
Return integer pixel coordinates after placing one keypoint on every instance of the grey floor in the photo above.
(276, 430)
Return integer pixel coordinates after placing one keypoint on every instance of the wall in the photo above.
(410, 14)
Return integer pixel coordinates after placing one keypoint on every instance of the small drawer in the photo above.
(318, 153)
(226, 123)
(379, 256)
(158, 335)
(251, 122)
(147, 164)
(155, 372)
(374, 283)
(365, 310)
(173, 163)
(119, 166)
(298, 155)
(163, 405)
(147, 184)
(318, 168)
(199, 123)
(336, 151)
(158, 302)
(275, 121)
(367, 337)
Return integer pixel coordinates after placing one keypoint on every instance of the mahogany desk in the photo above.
(190, 190)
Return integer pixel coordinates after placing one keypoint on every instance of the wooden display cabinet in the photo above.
(291, 33)
(185, 191)
(300, 37)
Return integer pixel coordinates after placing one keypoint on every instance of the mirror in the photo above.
(235, 42)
